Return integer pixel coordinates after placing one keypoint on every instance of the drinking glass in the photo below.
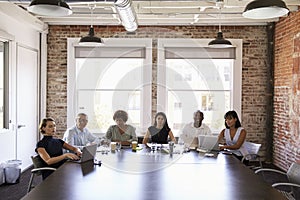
(106, 146)
(181, 145)
(153, 147)
(118, 146)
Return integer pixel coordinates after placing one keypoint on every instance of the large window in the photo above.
(192, 78)
(119, 76)
(116, 76)
(3, 85)
(107, 85)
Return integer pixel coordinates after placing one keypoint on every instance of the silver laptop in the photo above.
(88, 153)
(194, 144)
(207, 143)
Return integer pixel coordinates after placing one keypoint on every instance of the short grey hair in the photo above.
(81, 114)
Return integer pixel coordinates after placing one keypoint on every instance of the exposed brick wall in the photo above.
(256, 92)
(286, 91)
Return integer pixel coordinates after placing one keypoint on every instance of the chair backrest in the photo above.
(250, 152)
(293, 173)
(252, 148)
(37, 161)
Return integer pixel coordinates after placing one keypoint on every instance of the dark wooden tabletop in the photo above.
(155, 176)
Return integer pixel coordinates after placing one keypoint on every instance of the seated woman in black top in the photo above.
(160, 131)
(50, 148)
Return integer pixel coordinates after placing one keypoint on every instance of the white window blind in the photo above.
(199, 53)
(110, 52)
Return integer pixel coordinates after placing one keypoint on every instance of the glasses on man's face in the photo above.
(82, 120)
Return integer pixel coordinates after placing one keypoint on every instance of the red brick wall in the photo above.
(287, 91)
(256, 79)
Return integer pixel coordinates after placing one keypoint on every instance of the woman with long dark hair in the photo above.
(160, 132)
(234, 135)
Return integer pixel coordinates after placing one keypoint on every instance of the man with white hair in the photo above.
(78, 135)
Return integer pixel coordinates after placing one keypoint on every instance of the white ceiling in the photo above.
(160, 12)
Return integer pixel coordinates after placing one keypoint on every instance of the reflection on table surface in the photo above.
(146, 175)
(145, 160)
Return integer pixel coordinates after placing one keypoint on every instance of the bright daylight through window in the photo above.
(198, 84)
(189, 78)
(2, 85)
(106, 85)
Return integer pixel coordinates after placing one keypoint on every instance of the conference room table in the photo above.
(147, 175)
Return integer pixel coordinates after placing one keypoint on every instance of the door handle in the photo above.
(21, 126)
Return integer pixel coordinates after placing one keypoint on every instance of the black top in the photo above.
(54, 147)
(159, 136)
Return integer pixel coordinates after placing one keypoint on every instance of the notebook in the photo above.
(88, 153)
(207, 143)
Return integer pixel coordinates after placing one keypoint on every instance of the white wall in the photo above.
(19, 29)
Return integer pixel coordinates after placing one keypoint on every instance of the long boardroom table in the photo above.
(150, 175)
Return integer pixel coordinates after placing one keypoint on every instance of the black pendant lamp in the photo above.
(220, 42)
(49, 8)
(265, 9)
(91, 39)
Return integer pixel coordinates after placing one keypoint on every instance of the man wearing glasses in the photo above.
(78, 135)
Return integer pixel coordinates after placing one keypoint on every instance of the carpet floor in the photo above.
(18, 190)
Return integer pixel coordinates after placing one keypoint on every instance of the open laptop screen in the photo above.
(208, 142)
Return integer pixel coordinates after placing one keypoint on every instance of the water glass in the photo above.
(153, 147)
(181, 145)
(106, 146)
(171, 148)
(118, 146)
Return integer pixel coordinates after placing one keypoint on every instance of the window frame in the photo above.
(146, 105)
(236, 87)
(7, 39)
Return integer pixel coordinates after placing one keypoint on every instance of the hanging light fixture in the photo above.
(127, 14)
(220, 42)
(49, 8)
(265, 9)
(91, 39)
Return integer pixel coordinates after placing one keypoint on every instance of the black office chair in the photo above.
(289, 184)
(37, 170)
(140, 139)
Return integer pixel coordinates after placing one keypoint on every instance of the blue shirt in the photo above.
(78, 138)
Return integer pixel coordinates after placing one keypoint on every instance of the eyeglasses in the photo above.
(82, 120)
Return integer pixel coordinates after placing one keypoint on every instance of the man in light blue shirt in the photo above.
(78, 135)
